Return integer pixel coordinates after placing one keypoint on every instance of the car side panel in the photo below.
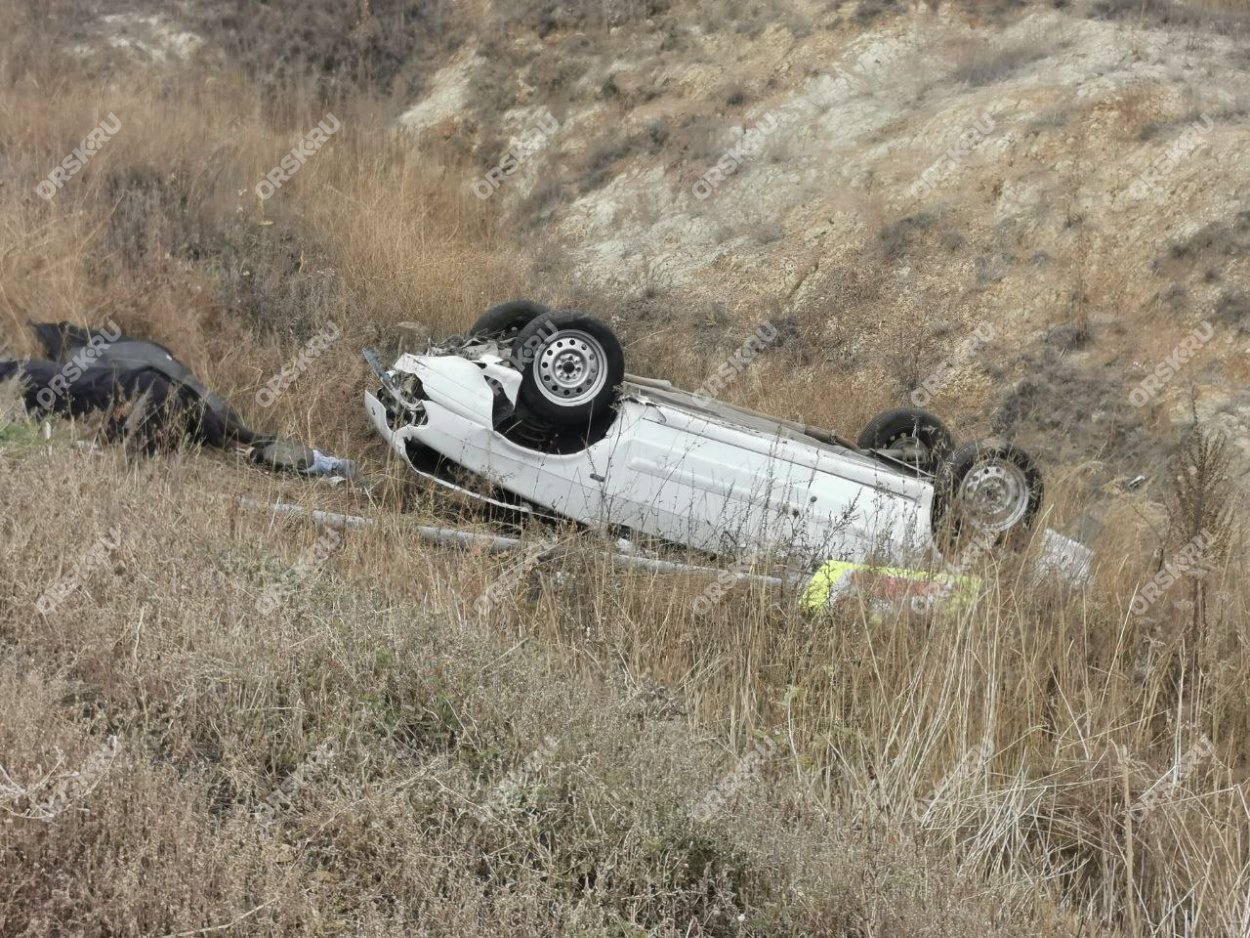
(733, 491)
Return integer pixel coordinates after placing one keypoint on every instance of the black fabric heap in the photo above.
(211, 419)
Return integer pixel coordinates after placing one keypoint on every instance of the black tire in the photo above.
(934, 441)
(505, 320)
(571, 365)
(1001, 466)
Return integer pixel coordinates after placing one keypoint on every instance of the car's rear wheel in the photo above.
(571, 365)
(505, 320)
(988, 488)
(913, 436)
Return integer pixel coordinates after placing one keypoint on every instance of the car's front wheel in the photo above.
(505, 320)
(988, 489)
(571, 365)
(915, 437)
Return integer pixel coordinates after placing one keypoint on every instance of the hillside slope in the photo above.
(1072, 183)
(592, 752)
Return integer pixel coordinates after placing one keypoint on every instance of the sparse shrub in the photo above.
(545, 17)
(1176, 297)
(868, 10)
(385, 46)
(952, 239)
(540, 204)
(274, 278)
(601, 160)
(1115, 9)
(1201, 510)
(986, 65)
(278, 281)
(995, 10)
(658, 131)
(769, 233)
(897, 239)
(1219, 17)
(1051, 119)
(1068, 337)
(992, 267)
(1233, 307)
(699, 138)
(910, 347)
(607, 152)
(790, 338)
(1063, 409)
(1211, 246)
(554, 76)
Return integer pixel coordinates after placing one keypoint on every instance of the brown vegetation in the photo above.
(544, 768)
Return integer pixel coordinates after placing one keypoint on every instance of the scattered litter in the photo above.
(332, 467)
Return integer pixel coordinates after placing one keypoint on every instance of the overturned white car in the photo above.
(539, 404)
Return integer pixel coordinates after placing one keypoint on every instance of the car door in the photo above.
(680, 476)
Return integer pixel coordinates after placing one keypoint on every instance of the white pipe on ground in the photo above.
(495, 543)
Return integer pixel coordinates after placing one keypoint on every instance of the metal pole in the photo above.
(494, 543)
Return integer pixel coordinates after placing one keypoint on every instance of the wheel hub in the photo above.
(994, 495)
(571, 368)
(910, 449)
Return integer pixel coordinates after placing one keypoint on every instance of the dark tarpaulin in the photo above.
(152, 396)
(128, 356)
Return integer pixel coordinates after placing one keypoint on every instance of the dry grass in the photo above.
(1220, 16)
(950, 774)
(980, 64)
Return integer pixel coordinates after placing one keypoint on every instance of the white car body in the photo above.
(672, 465)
